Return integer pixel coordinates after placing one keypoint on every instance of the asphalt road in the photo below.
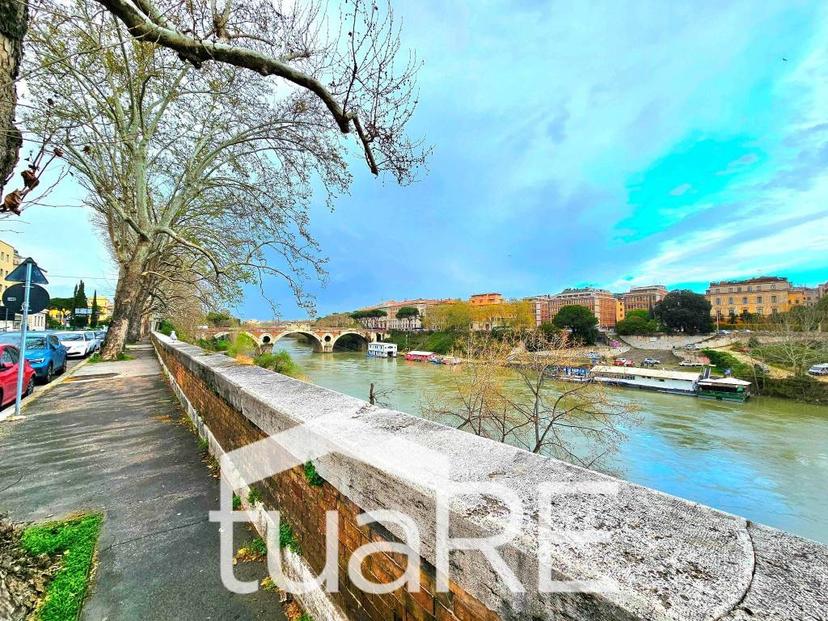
(70, 364)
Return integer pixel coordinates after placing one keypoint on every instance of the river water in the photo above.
(766, 460)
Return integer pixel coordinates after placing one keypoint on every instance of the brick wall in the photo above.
(303, 506)
(666, 558)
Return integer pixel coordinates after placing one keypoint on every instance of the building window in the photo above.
(773, 299)
(730, 300)
(750, 288)
(718, 301)
(758, 299)
(744, 300)
(760, 310)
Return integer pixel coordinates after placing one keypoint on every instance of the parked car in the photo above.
(78, 343)
(691, 363)
(9, 359)
(623, 362)
(651, 362)
(43, 351)
(91, 334)
(819, 369)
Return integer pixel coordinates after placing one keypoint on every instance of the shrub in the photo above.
(281, 362)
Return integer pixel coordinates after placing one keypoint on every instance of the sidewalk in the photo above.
(107, 438)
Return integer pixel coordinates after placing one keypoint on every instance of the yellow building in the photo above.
(9, 259)
(485, 299)
(759, 296)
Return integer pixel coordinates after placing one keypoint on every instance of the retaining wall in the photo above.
(656, 556)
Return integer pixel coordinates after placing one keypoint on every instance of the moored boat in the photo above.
(724, 389)
(680, 382)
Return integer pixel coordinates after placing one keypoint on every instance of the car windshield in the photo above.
(32, 342)
(71, 337)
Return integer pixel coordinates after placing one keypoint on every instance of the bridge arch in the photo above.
(364, 339)
(318, 344)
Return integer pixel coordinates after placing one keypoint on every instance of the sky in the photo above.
(609, 144)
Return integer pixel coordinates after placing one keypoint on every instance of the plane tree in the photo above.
(199, 180)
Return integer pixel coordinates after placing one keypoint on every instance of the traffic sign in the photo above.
(14, 295)
(18, 274)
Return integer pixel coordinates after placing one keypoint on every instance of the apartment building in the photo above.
(485, 299)
(643, 298)
(9, 259)
(764, 295)
(607, 308)
(392, 307)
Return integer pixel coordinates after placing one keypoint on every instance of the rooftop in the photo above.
(659, 373)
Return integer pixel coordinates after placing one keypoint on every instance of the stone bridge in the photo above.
(323, 338)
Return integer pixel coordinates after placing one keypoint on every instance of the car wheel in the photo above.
(29, 388)
(62, 369)
(50, 373)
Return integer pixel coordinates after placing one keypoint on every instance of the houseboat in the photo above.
(724, 389)
(382, 350)
(419, 356)
(680, 382)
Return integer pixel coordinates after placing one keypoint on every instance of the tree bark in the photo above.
(135, 322)
(14, 15)
(127, 297)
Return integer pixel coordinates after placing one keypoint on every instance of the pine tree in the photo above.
(80, 303)
(93, 318)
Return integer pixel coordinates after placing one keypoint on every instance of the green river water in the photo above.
(766, 459)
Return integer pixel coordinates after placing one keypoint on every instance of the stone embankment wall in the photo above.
(642, 554)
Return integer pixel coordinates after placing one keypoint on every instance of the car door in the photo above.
(8, 374)
(58, 352)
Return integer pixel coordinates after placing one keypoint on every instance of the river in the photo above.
(766, 460)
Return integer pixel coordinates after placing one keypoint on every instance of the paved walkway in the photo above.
(108, 438)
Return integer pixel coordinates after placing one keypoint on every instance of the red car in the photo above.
(623, 362)
(9, 357)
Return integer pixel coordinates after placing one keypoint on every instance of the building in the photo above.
(9, 259)
(643, 298)
(392, 307)
(804, 296)
(606, 307)
(764, 295)
(485, 299)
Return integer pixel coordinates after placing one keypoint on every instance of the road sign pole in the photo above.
(24, 324)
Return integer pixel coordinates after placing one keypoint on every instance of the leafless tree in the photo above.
(512, 391)
(349, 60)
(197, 177)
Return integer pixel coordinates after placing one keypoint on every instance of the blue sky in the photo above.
(607, 143)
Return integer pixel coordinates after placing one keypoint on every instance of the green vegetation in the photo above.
(408, 312)
(438, 342)
(242, 345)
(797, 357)
(286, 537)
(221, 319)
(75, 540)
(580, 321)
(258, 546)
(281, 362)
(637, 322)
(684, 311)
(236, 502)
(314, 480)
(203, 446)
(724, 360)
(254, 496)
(802, 388)
(166, 327)
(305, 617)
(374, 313)
(214, 344)
(122, 356)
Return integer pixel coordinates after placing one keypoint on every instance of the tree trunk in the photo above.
(135, 321)
(127, 294)
(14, 16)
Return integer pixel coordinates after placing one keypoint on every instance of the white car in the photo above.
(78, 343)
(819, 369)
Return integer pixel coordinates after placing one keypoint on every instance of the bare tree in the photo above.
(199, 178)
(349, 62)
(512, 391)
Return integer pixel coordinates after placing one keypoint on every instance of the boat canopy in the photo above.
(722, 381)
(686, 376)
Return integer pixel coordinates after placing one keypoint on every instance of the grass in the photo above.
(75, 540)
(312, 476)
(122, 356)
(305, 617)
(236, 503)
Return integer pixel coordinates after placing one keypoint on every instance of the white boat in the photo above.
(681, 382)
(382, 350)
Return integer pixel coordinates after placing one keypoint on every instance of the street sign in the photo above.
(14, 295)
(83, 311)
(18, 274)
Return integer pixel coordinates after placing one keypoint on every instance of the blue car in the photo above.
(43, 351)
